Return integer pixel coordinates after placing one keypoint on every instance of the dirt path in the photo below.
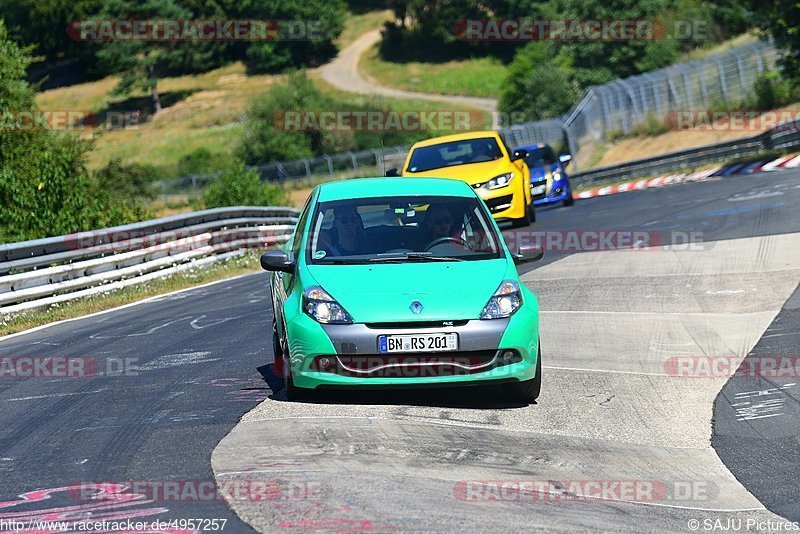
(343, 74)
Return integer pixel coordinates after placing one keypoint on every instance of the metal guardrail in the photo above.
(41, 272)
(784, 137)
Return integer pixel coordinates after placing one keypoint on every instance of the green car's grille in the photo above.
(408, 365)
(416, 324)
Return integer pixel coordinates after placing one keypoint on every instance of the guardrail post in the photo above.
(329, 160)
(354, 160)
(378, 161)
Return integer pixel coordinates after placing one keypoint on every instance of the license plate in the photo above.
(539, 189)
(418, 343)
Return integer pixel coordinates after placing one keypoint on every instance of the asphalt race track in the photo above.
(619, 410)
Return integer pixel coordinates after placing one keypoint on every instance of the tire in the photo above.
(569, 201)
(532, 212)
(281, 367)
(526, 391)
(525, 220)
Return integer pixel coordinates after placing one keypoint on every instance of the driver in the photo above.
(484, 151)
(439, 225)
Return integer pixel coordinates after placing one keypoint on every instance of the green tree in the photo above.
(45, 189)
(43, 24)
(240, 186)
(307, 30)
(141, 63)
(265, 139)
(781, 18)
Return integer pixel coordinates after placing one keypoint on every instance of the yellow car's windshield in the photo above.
(453, 153)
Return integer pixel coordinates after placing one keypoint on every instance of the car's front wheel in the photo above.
(282, 368)
(530, 213)
(569, 200)
(526, 391)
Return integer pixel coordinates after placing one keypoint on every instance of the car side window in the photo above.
(297, 238)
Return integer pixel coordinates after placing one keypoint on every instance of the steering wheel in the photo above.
(447, 239)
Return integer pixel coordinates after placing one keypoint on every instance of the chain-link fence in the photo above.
(714, 82)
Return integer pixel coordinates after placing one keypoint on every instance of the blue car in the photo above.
(549, 180)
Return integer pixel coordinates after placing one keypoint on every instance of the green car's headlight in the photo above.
(499, 181)
(505, 301)
(323, 308)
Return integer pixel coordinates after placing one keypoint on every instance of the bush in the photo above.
(202, 161)
(772, 91)
(240, 186)
(535, 86)
(132, 182)
(45, 189)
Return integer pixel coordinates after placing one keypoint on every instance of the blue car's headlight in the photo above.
(557, 175)
(505, 301)
(323, 308)
(499, 181)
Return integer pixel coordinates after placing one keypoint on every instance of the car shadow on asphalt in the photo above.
(468, 397)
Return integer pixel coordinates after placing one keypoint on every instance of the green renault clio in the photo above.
(391, 282)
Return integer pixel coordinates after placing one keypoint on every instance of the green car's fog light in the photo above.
(325, 364)
(322, 307)
(505, 301)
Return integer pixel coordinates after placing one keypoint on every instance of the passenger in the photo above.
(347, 236)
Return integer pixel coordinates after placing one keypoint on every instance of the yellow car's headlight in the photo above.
(499, 181)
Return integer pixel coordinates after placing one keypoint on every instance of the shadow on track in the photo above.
(471, 397)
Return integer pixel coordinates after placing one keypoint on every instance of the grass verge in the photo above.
(482, 77)
(245, 264)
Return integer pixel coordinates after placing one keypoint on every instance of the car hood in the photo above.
(537, 173)
(471, 173)
(384, 292)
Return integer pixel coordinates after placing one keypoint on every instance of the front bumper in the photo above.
(504, 203)
(560, 190)
(353, 353)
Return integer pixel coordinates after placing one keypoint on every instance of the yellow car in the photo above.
(484, 161)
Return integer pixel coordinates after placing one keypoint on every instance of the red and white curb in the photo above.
(784, 162)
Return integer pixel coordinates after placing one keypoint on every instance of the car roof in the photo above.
(535, 145)
(380, 187)
(456, 137)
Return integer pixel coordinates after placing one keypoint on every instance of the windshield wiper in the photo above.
(415, 256)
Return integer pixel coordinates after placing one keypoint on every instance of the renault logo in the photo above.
(416, 306)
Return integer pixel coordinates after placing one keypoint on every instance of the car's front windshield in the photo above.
(540, 157)
(402, 229)
(453, 153)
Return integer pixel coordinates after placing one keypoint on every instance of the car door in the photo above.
(283, 283)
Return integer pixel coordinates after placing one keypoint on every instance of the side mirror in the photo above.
(519, 154)
(393, 172)
(527, 253)
(277, 260)
(565, 159)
